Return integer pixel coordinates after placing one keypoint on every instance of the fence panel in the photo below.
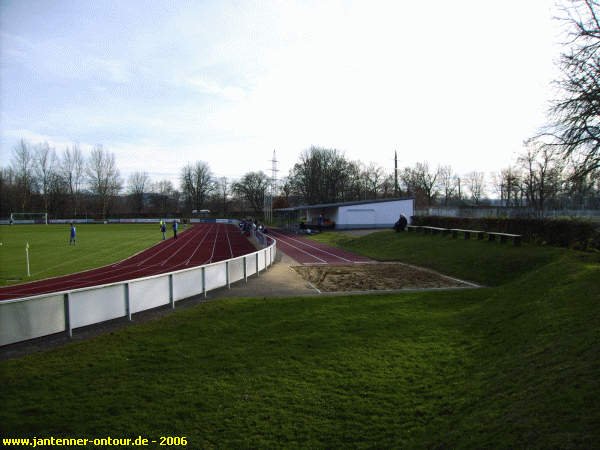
(251, 262)
(216, 276)
(97, 305)
(30, 319)
(149, 293)
(43, 315)
(236, 270)
(187, 284)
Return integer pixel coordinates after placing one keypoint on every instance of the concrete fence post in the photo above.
(67, 303)
(245, 270)
(257, 270)
(127, 301)
(204, 282)
(171, 296)
(227, 274)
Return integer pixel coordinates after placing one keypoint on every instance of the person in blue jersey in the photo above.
(73, 233)
(175, 226)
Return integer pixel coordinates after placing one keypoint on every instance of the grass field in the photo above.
(51, 256)
(512, 366)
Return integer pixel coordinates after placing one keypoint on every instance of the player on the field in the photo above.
(72, 239)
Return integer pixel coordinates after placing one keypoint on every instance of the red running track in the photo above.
(198, 245)
(310, 253)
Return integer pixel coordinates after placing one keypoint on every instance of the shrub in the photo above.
(572, 233)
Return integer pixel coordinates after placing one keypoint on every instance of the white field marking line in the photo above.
(153, 254)
(157, 253)
(229, 242)
(106, 278)
(438, 274)
(214, 245)
(303, 251)
(321, 250)
(177, 251)
(106, 250)
(82, 281)
(173, 242)
(187, 262)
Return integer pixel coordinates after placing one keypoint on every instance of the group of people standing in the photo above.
(163, 229)
(251, 225)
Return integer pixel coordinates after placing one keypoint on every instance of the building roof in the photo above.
(334, 205)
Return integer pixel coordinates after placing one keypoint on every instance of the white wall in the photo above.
(374, 215)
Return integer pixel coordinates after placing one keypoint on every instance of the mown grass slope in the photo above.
(50, 254)
(516, 365)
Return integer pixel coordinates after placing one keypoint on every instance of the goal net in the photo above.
(29, 217)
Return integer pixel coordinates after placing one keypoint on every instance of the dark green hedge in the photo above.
(571, 233)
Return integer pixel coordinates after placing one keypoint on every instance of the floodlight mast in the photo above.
(271, 190)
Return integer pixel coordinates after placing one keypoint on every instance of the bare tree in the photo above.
(542, 173)
(575, 129)
(252, 188)
(325, 175)
(45, 169)
(476, 185)
(22, 164)
(137, 186)
(223, 189)
(165, 196)
(72, 170)
(426, 180)
(373, 176)
(508, 184)
(447, 182)
(196, 183)
(103, 177)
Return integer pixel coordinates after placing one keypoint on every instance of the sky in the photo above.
(164, 83)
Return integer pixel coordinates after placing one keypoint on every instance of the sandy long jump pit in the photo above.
(376, 277)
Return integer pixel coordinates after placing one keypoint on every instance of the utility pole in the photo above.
(395, 173)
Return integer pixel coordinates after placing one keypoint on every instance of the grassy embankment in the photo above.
(50, 254)
(515, 365)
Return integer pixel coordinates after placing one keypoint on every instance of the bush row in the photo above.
(570, 233)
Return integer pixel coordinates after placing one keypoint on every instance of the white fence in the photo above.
(28, 318)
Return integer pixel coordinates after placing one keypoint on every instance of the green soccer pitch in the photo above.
(50, 254)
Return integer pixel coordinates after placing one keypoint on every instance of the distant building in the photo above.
(349, 215)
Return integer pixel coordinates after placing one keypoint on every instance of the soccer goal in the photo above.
(29, 217)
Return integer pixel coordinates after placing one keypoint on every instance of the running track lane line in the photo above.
(108, 272)
(178, 250)
(303, 251)
(214, 245)
(229, 242)
(187, 262)
(319, 249)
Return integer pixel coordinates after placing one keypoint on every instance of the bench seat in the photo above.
(467, 233)
(504, 236)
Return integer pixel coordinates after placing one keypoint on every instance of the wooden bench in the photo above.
(436, 230)
(504, 236)
(467, 233)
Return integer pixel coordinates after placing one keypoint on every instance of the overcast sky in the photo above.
(163, 83)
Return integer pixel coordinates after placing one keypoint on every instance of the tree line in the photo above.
(557, 169)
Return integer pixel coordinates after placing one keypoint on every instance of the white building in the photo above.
(348, 215)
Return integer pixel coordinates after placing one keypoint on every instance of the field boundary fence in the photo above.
(588, 214)
(27, 318)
